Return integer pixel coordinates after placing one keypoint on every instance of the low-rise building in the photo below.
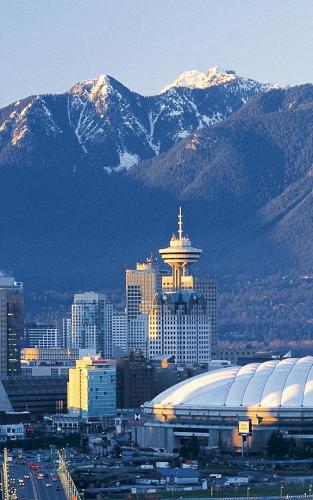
(37, 395)
(42, 336)
(11, 431)
(63, 422)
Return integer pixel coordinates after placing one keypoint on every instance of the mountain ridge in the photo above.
(104, 124)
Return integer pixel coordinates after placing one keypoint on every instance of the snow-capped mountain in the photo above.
(215, 76)
(103, 124)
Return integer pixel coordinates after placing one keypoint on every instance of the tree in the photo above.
(277, 445)
(190, 449)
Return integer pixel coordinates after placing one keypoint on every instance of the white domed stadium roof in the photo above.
(274, 384)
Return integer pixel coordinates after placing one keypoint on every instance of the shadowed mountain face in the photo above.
(245, 186)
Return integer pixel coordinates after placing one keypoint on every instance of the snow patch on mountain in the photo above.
(183, 134)
(150, 134)
(209, 121)
(196, 80)
(127, 160)
(18, 134)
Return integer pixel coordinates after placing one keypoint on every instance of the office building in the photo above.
(11, 325)
(66, 332)
(92, 323)
(11, 432)
(180, 326)
(33, 369)
(37, 395)
(51, 362)
(205, 286)
(91, 389)
(135, 381)
(119, 333)
(58, 355)
(142, 284)
(179, 322)
(42, 336)
(137, 330)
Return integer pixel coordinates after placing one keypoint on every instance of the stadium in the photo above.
(276, 394)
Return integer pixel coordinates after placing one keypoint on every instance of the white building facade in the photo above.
(179, 325)
(119, 332)
(43, 336)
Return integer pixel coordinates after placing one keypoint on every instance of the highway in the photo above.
(33, 488)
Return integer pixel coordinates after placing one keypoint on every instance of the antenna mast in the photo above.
(180, 224)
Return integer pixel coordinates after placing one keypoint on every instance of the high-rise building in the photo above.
(66, 332)
(135, 381)
(91, 389)
(180, 322)
(11, 326)
(42, 336)
(205, 286)
(179, 325)
(92, 323)
(137, 333)
(119, 333)
(142, 284)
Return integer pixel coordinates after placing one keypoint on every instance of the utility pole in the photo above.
(68, 484)
(5, 476)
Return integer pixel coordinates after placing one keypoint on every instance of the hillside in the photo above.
(245, 186)
(102, 124)
(252, 178)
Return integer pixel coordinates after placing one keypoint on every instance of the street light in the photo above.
(281, 490)
(248, 492)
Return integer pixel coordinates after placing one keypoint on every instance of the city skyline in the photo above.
(156, 278)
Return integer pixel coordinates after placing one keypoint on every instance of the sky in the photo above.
(48, 45)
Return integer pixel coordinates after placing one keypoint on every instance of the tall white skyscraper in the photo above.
(180, 322)
(92, 323)
(205, 286)
(179, 325)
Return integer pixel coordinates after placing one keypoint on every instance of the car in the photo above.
(48, 485)
(26, 476)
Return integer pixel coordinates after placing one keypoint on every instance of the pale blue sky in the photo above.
(48, 45)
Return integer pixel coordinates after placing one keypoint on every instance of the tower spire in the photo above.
(180, 254)
(180, 224)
